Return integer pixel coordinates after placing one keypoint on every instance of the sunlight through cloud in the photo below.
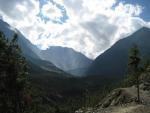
(89, 27)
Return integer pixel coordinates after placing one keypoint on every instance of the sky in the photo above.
(87, 26)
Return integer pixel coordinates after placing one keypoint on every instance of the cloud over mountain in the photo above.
(89, 26)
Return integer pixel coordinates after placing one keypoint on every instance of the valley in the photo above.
(62, 80)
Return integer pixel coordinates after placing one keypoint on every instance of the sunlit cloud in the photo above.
(51, 11)
(89, 27)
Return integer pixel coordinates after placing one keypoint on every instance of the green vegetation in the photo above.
(137, 69)
(42, 91)
(13, 76)
(69, 94)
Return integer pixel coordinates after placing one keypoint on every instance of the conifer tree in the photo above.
(13, 75)
(134, 67)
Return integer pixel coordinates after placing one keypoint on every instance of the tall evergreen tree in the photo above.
(134, 67)
(13, 77)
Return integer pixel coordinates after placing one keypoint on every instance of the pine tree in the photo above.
(13, 75)
(134, 67)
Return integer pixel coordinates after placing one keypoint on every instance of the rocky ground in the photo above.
(119, 109)
(123, 100)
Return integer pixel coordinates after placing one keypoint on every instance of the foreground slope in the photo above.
(119, 109)
(124, 100)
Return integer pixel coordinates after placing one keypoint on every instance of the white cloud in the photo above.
(92, 27)
(51, 11)
(128, 9)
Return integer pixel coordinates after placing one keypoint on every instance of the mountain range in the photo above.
(113, 62)
(54, 59)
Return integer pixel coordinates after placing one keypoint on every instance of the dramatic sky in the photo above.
(88, 26)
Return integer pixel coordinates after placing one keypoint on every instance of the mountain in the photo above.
(29, 51)
(25, 44)
(67, 59)
(113, 62)
(51, 59)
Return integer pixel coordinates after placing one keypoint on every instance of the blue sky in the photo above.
(145, 3)
(62, 19)
(87, 26)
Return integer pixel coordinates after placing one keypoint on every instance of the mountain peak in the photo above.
(143, 30)
(66, 58)
(59, 48)
(113, 62)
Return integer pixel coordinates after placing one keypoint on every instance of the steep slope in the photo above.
(25, 44)
(30, 51)
(66, 59)
(113, 62)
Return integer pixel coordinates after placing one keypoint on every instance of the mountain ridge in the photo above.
(66, 58)
(29, 51)
(113, 62)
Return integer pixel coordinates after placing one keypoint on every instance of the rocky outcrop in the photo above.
(123, 100)
(118, 109)
(118, 97)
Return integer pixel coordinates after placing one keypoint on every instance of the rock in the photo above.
(123, 100)
(119, 96)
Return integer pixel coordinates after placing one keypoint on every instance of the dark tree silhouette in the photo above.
(134, 67)
(13, 77)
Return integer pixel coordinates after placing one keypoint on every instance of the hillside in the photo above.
(66, 59)
(123, 100)
(26, 46)
(113, 62)
(29, 51)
